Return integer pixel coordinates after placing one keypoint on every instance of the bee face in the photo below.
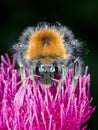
(46, 72)
(48, 51)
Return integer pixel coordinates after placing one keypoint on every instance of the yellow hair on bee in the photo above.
(47, 60)
(46, 42)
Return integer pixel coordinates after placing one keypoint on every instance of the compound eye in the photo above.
(46, 68)
(51, 68)
(42, 68)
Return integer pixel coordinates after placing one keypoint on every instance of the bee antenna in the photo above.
(30, 76)
(55, 80)
(21, 81)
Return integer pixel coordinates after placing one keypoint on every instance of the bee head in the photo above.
(46, 72)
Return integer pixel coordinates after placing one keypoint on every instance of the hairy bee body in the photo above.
(48, 50)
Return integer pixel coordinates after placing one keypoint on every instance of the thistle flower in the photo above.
(31, 106)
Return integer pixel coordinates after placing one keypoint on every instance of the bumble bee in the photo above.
(48, 50)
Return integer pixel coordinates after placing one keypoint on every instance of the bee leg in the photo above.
(22, 73)
(74, 82)
(63, 76)
(31, 74)
(75, 72)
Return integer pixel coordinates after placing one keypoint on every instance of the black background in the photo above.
(81, 16)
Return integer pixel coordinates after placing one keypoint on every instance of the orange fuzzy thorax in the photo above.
(51, 47)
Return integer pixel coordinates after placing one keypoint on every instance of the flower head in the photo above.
(31, 106)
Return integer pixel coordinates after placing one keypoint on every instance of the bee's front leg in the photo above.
(76, 71)
(22, 73)
(63, 76)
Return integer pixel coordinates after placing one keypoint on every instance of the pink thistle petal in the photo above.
(32, 106)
